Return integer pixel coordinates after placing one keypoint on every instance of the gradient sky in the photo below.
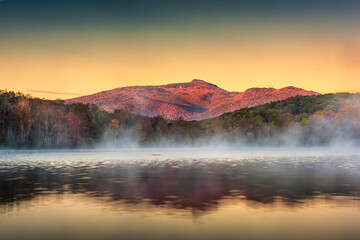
(65, 48)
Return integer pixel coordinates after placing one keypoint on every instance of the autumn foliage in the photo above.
(27, 122)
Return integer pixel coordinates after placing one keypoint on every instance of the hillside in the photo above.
(302, 120)
(195, 100)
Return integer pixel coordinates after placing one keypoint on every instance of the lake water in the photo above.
(179, 194)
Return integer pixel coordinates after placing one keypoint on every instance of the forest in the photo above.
(33, 123)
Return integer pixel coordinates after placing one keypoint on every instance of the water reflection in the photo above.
(198, 185)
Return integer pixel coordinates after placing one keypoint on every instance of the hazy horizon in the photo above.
(54, 95)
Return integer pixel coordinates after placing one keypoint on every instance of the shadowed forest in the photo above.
(27, 122)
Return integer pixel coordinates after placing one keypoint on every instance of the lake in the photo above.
(180, 194)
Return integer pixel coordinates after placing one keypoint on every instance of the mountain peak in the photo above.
(198, 81)
(202, 82)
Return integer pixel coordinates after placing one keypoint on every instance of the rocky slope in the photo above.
(194, 100)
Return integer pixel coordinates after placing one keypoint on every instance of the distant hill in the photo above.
(195, 100)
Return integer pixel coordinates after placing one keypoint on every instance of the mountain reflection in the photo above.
(194, 184)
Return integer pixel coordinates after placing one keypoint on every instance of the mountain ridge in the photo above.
(195, 100)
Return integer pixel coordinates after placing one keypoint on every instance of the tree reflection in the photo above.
(197, 185)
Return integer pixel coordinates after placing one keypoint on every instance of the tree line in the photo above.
(27, 122)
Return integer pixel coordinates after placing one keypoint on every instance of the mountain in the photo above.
(194, 100)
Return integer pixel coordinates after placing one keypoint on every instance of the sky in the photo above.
(67, 48)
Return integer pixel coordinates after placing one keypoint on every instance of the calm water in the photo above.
(173, 194)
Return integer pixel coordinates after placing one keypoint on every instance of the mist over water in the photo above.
(180, 193)
(218, 179)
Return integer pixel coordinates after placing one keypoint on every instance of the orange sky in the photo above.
(52, 63)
